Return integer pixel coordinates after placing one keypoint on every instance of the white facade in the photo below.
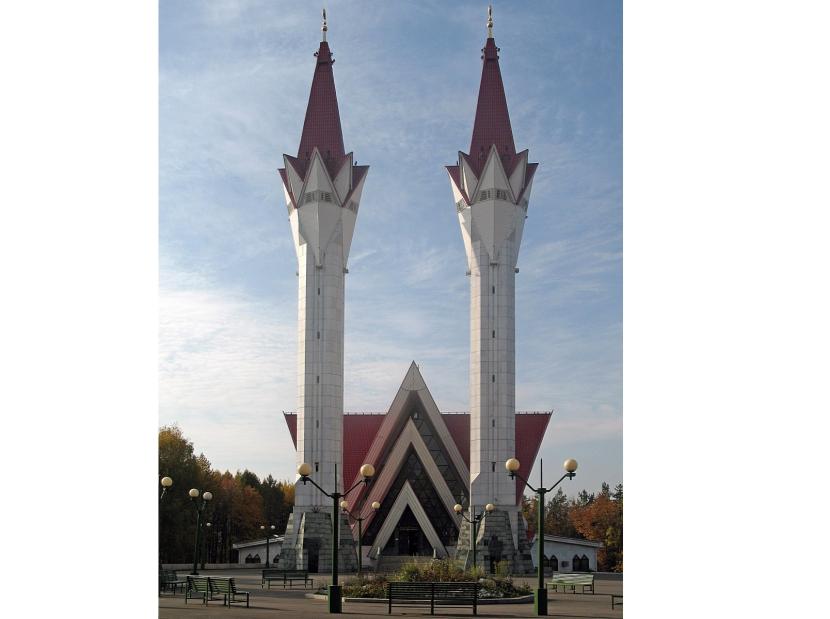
(564, 550)
(322, 229)
(491, 227)
(257, 549)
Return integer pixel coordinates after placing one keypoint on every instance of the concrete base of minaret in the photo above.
(496, 544)
(308, 534)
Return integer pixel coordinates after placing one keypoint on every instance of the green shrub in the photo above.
(497, 585)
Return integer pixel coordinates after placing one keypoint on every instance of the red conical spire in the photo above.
(492, 124)
(321, 128)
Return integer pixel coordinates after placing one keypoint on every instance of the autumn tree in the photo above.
(557, 521)
(177, 519)
(241, 503)
(600, 519)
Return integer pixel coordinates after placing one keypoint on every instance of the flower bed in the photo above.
(493, 586)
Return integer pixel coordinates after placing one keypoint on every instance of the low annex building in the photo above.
(256, 551)
(421, 458)
(567, 554)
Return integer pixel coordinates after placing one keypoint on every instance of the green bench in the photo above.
(168, 579)
(572, 581)
(286, 577)
(226, 587)
(433, 594)
(198, 587)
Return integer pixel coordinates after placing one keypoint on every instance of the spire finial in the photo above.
(325, 27)
(490, 21)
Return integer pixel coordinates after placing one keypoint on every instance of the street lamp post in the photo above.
(474, 520)
(269, 531)
(367, 471)
(200, 507)
(203, 549)
(512, 466)
(344, 505)
(166, 482)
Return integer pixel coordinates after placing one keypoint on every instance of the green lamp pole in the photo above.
(512, 466)
(344, 505)
(166, 482)
(200, 507)
(268, 533)
(474, 520)
(367, 471)
(206, 545)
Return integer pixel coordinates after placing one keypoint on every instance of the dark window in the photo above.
(256, 559)
(414, 472)
(576, 563)
(554, 563)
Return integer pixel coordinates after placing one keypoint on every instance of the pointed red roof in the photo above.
(362, 428)
(321, 128)
(492, 124)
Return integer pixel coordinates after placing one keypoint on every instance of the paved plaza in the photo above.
(292, 602)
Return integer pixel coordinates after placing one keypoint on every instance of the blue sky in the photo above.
(234, 80)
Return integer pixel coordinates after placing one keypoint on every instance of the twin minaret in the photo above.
(491, 187)
(322, 192)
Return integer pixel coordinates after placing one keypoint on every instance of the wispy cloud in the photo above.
(234, 78)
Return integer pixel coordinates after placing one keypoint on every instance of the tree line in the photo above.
(596, 517)
(241, 503)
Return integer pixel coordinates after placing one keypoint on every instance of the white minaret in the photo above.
(491, 187)
(322, 192)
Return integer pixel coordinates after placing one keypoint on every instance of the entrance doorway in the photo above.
(408, 539)
(312, 546)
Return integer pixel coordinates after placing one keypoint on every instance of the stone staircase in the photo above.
(392, 563)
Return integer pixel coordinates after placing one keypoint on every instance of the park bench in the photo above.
(434, 594)
(616, 600)
(200, 587)
(572, 581)
(197, 587)
(168, 579)
(226, 587)
(286, 577)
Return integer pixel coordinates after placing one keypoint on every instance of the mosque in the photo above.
(425, 461)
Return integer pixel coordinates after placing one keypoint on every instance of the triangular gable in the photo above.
(413, 385)
(407, 498)
(493, 176)
(391, 468)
